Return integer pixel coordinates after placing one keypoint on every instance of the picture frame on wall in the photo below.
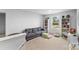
(55, 22)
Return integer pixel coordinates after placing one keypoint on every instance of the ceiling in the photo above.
(39, 11)
(47, 11)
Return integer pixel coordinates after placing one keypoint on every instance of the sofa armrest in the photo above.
(42, 29)
(24, 31)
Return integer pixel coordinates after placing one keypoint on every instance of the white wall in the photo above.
(72, 14)
(78, 21)
(16, 21)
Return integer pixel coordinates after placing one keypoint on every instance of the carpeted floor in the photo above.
(40, 43)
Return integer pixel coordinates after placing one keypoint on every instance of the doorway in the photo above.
(2, 24)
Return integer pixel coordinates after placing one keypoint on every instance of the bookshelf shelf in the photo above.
(65, 24)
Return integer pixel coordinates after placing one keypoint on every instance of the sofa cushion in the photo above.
(38, 32)
(39, 28)
(29, 30)
(30, 34)
(35, 30)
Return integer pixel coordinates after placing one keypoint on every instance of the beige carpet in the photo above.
(40, 43)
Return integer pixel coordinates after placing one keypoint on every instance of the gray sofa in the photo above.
(33, 33)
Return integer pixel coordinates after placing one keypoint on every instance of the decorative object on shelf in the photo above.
(63, 16)
(68, 16)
